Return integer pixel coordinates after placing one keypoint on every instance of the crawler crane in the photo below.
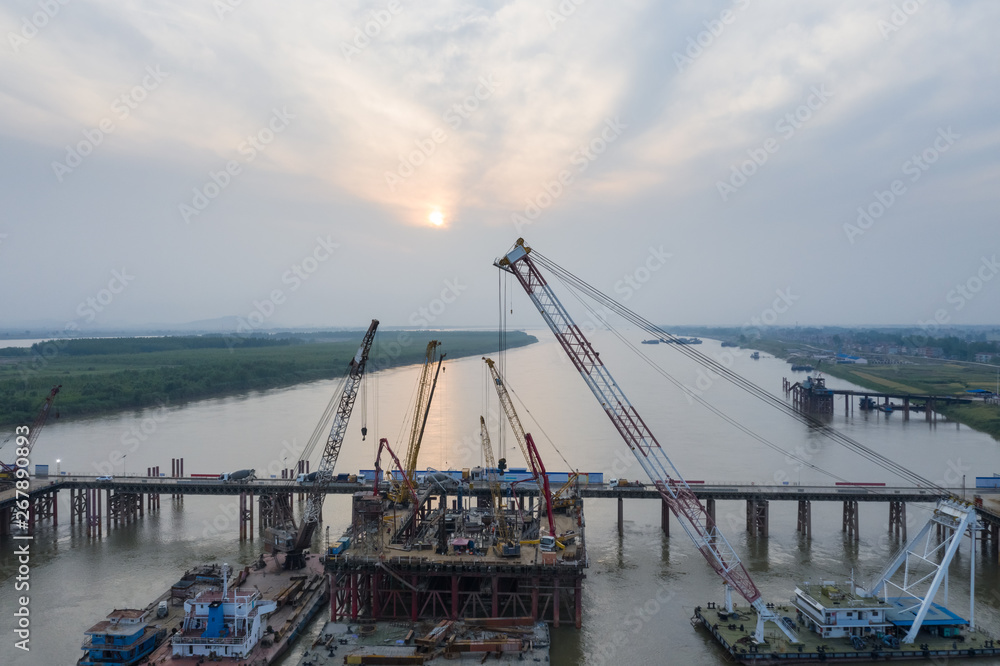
(292, 540)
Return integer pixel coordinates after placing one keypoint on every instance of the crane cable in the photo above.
(576, 283)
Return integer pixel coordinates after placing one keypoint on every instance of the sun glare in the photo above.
(436, 218)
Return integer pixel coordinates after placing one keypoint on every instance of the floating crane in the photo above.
(672, 487)
(8, 472)
(400, 493)
(524, 440)
(508, 546)
(295, 541)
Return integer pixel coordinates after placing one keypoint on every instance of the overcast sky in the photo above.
(325, 163)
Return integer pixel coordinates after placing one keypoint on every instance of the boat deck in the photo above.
(340, 640)
(297, 602)
(735, 636)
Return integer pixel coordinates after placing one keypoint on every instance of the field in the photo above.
(106, 375)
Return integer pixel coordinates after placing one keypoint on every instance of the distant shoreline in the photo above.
(102, 376)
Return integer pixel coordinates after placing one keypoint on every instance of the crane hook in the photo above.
(364, 432)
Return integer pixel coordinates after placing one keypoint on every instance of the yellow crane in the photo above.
(400, 492)
(560, 502)
(524, 440)
(507, 547)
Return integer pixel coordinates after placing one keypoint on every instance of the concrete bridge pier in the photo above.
(94, 525)
(850, 520)
(757, 517)
(897, 519)
(246, 515)
(804, 525)
(665, 517)
(710, 508)
(621, 515)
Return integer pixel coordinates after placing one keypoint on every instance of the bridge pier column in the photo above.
(804, 525)
(621, 516)
(906, 409)
(847, 404)
(757, 517)
(850, 520)
(710, 508)
(665, 517)
(897, 519)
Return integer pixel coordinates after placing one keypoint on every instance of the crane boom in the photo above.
(384, 444)
(524, 440)
(421, 409)
(9, 471)
(672, 487)
(507, 546)
(279, 539)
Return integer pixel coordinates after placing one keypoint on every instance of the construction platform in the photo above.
(504, 641)
(734, 632)
(441, 558)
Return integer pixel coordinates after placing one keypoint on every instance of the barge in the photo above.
(834, 624)
(253, 615)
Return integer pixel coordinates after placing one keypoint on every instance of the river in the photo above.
(640, 588)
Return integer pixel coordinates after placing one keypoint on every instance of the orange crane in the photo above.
(292, 540)
(524, 440)
(421, 409)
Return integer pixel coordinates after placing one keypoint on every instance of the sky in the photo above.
(323, 164)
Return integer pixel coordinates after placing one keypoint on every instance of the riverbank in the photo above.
(109, 375)
(915, 375)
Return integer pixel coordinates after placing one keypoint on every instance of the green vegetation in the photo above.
(916, 375)
(111, 374)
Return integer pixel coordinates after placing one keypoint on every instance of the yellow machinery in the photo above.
(507, 547)
(400, 492)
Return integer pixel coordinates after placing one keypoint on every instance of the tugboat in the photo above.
(124, 638)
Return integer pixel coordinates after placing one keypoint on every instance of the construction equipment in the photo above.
(524, 440)
(295, 541)
(27, 441)
(400, 493)
(560, 502)
(384, 443)
(672, 487)
(507, 546)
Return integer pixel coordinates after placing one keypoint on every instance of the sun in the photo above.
(436, 218)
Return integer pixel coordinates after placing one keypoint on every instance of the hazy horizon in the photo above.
(166, 163)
